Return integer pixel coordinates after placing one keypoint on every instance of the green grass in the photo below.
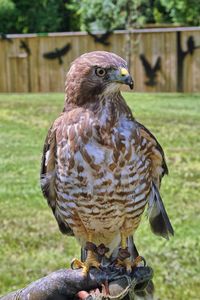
(30, 243)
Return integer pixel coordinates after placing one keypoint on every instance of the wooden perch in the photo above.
(64, 284)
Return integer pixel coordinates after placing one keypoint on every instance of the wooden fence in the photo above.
(161, 60)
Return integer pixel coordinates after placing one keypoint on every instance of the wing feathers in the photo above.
(150, 137)
(48, 174)
(158, 218)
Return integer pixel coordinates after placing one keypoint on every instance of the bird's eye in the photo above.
(100, 72)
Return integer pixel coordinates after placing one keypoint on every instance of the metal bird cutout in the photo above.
(4, 37)
(181, 54)
(101, 38)
(58, 53)
(191, 47)
(151, 72)
(24, 45)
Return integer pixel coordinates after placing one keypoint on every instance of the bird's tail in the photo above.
(158, 218)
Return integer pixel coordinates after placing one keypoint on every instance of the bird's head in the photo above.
(96, 73)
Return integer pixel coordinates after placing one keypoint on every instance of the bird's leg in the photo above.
(135, 257)
(123, 254)
(91, 259)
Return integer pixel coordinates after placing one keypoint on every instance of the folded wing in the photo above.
(158, 218)
(48, 174)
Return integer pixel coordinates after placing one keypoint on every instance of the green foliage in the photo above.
(7, 15)
(30, 243)
(102, 15)
(185, 12)
(111, 14)
(24, 16)
(38, 16)
(124, 14)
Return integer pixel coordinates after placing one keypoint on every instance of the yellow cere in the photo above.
(124, 72)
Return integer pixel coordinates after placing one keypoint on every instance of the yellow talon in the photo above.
(76, 264)
(126, 263)
(137, 261)
(91, 260)
(89, 263)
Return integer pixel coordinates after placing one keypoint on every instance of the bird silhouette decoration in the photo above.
(181, 54)
(101, 38)
(4, 37)
(191, 47)
(58, 53)
(24, 45)
(151, 72)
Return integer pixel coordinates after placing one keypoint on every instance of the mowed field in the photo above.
(31, 245)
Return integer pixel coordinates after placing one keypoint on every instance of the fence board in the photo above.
(17, 67)
(21, 72)
(3, 67)
(191, 70)
(34, 64)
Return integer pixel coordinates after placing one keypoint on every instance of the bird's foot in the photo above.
(138, 260)
(91, 260)
(124, 264)
(123, 260)
(89, 263)
(101, 250)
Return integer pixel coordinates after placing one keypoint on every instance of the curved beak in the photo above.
(122, 75)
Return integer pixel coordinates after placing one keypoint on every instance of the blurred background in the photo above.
(160, 39)
(162, 55)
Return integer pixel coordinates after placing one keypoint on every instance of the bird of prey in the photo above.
(58, 53)
(151, 72)
(100, 166)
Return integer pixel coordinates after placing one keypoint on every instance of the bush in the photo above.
(37, 16)
(7, 15)
(25, 16)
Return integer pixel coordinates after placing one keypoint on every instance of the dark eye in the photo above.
(100, 72)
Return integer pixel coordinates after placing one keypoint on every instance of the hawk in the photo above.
(100, 166)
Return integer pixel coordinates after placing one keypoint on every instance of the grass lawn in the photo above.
(30, 242)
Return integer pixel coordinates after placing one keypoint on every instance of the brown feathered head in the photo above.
(95, 73)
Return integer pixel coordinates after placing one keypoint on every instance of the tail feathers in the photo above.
(158, 218)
